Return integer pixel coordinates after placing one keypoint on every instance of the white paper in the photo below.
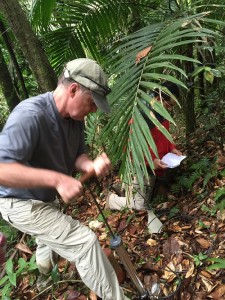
(172, 160)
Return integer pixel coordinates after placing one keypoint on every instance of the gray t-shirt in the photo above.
(36, 135)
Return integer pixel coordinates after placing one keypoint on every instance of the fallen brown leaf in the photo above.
(206, 274)
(175, 228)
(218, 293)
(190, 270)
(203, 243)
(152, 242)
(209, 285)
(171, 247)
(24, 248)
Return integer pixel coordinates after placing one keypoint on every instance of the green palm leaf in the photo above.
(135, 82)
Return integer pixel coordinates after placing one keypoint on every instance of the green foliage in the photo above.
(202, 224)
(107, 213)
(9, 231)
(210, 210)
(219, 193)
(219, 198)
(55, 274)
(218, 263)
(209, 73)
(176, 187)
(199, 259)
(173, 211)
(93, 127)
(100, 30)
(13, 273)
(75, 29)
(4, 111)
(212, 114)
(204, 169)
(136, 81)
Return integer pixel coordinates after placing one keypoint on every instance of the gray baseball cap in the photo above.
(88, 73)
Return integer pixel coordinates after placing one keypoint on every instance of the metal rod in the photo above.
(116, 244)
(102, 214)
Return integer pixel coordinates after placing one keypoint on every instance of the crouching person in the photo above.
(160, 180)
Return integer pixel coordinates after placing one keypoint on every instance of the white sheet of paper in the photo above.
(172, 160)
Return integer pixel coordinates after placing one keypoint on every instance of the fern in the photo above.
(220, 206)
(219, 193)
(194, 177)
(219, 198)
(202, 164)
(209, 176)
(175, 188)
(203, 169)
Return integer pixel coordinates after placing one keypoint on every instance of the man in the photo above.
(141, 198)
(40, 145)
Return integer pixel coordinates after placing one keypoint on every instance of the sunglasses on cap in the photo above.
(106, 89)
(67, 75)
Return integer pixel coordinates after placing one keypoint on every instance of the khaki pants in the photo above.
(140, 201)
(135, 198)
(59, 234)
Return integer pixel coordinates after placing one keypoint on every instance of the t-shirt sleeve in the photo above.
(19, 137)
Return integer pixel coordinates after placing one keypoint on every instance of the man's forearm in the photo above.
(20, 176)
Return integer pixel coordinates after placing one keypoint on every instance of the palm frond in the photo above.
(41, 13)
(95, 25)
(135, 82)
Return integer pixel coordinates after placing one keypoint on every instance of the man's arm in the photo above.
(20, 176)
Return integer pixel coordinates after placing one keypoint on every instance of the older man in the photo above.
(41, 145)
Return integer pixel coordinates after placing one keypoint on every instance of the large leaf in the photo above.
(135, 82)
(94, 28)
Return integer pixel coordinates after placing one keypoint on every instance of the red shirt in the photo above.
(163, 145)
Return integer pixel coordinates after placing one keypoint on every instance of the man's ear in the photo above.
(73, 88)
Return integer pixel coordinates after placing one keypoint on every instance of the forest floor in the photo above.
(186, 260)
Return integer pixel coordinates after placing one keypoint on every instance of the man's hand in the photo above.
(102, 165)
(98, 167)
(69, 188)
(2, 248)
(158, 164)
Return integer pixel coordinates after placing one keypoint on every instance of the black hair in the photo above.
(172, 87)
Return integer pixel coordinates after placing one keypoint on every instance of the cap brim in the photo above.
(101, 102)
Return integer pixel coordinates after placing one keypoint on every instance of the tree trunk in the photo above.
(189, 107)
(13, 58)
(7, 86)
(30, 45)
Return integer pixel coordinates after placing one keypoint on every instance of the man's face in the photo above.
(82, 104)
